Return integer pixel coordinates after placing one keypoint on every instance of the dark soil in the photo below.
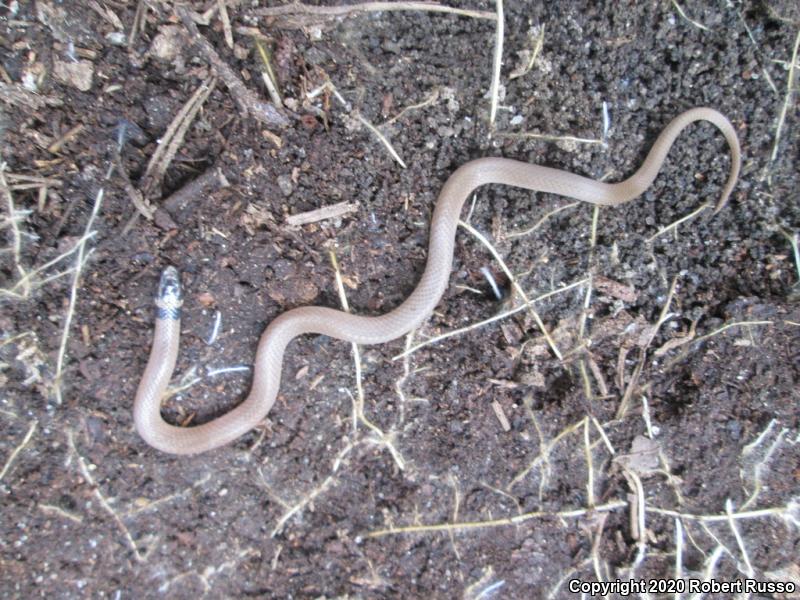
(287, 511)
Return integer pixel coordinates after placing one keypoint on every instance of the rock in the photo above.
(286, 185)
(166, 44)
(78, 74)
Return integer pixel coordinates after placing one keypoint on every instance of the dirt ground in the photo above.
(468, 460)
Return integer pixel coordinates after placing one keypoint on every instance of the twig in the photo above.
(142, 205)
(663, 317)
(16, 95)
(332, 211)
(248, 102)
(226, 23)
(138, 18)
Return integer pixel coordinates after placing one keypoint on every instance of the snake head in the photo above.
(169, 297)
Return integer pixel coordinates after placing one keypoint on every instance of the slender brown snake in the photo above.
(410, 314)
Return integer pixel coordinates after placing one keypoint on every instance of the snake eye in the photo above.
(169, 286)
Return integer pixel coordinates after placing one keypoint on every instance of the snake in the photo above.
(410, 314)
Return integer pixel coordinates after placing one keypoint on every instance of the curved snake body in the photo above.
(394, 324)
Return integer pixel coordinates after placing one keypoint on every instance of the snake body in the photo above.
(394, 324)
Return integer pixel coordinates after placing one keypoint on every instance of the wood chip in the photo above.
(16, 95)
(78, 74)
(677, 342)
(501, 416)
(642, 458)
(615, 289)
(321, 214)
(211, 181)
(56, 146)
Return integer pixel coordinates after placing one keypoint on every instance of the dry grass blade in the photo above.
(634, 381)
(675, 224)
(540, 222)
(173, 138)
(268, 75)
(497, 62)
(358, 401)
(479, 324)
(382, 139)
(12, 457)
(517, 287)
(298, 8)
(526, 135)
(56, 146)
(16, 235)
(30, 280)
(787, 101)
(538, 43)
(516, 520)
(80, 261)
(685, 17)
(716, 332)
(431, 99)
